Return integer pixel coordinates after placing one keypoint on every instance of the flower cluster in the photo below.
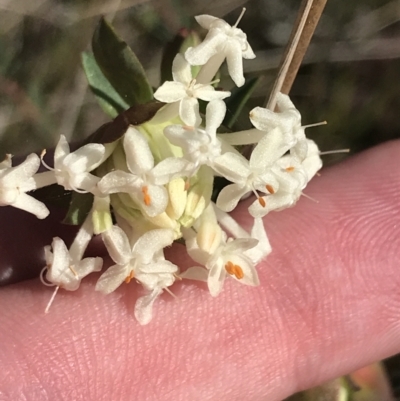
(156, 182)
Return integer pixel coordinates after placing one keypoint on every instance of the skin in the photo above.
(328, 303)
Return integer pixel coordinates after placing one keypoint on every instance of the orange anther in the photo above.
(187, 184)
(289, 169)
(130, 277)
(146, 196)
(262, 202)
(270, 189)
(234, 270)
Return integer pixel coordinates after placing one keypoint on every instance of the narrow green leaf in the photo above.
(237, 100)
(120, 65)
(108, 98)
(79, 208)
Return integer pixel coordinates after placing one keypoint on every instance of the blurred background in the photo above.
(350, 76)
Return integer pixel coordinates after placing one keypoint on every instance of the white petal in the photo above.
(15, 176)
(117, 181)
(215, 113)
(169, 169)
(195, 273)
(215, 281)
(230, 196)
(233, 167)
(88, 265)
(181, 70)
(205, 21)
(31, 205)
(112, 278)
(84, 181)
(144, 306)
(208, 93)
(170, 92)
(235, 62)
(200, 54)
(189, 111)
(270, 148)
(273, 202)
(86, 158)
(62, 150)
(138, 154)
(59, 272)
(152, 198)
(152, 242)
(250, 273)
(117, 245)
(263, 248)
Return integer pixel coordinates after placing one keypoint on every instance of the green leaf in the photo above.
(135, 115)
(110, 101)
(79, 208)
(237, 100)
(120, 65)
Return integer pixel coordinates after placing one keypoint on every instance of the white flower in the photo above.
(288, 119)
(200, 146)
(72, 170)
(144, 262)
(292, 179)
(63, 271)
(221, 256)
(250, 175)
(222, 41)
(16, 181)
(184, 92)
(145, 182)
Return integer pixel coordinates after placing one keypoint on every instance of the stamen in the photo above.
(240, 17)
(289, 169)
(309, 197)
(315, 124)
(146, 196)
(260, 200)
(43, 162)
(270, 189)
(331, 152)
(170, 292)
(51, 300)
(130, 277)
(177, 276)
(71, 267)
(234, 270)
(43, 280)
(187, 184)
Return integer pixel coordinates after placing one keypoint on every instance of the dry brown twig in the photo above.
(303, 30)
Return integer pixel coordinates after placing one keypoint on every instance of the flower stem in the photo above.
(303, 30)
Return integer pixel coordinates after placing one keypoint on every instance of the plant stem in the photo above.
(303, 29)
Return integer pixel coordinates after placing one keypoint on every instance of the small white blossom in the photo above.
(292, 179)
(221, 256)
(200, 146)
(16, 181)
(250, 175)
(184, 92)
(72, 170)
(144, 182)
(63, 270)
(144, 262)
(222, 41)
(288, 119)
